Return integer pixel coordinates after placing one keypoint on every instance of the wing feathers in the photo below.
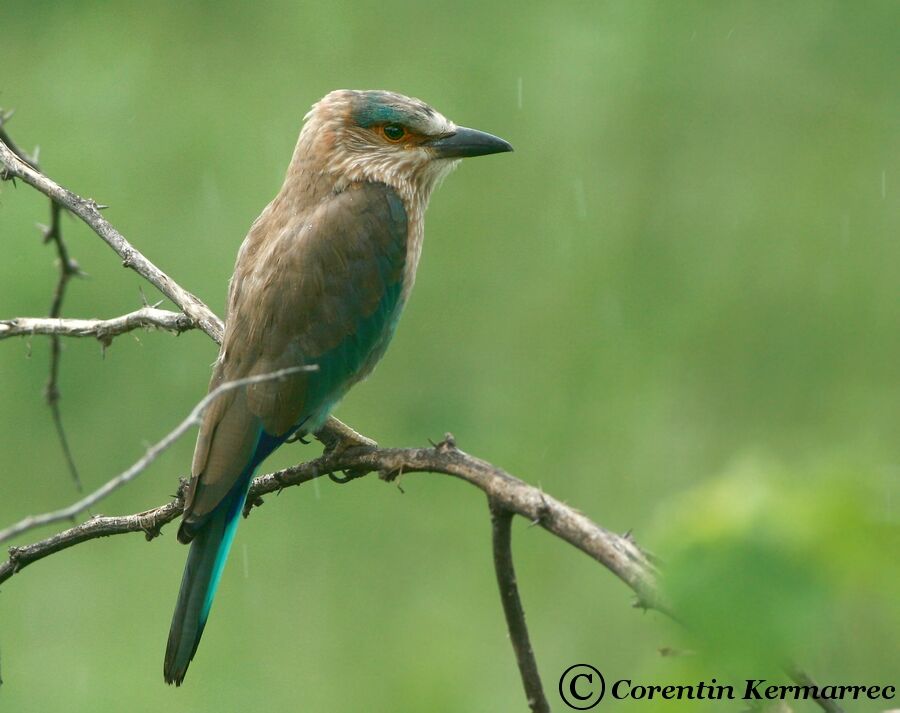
(324, 289)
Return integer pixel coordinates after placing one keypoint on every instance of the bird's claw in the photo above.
(297, 437)
(348, 475)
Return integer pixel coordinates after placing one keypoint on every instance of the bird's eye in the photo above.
(393, 132)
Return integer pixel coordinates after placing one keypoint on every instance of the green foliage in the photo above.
(690, 256)
(762, 564)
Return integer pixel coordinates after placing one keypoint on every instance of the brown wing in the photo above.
(323, 289)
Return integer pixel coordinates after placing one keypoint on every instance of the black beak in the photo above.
(464, 143)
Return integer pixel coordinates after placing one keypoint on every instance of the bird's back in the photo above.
(323, 289)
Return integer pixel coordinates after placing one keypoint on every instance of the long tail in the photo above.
(205, 563)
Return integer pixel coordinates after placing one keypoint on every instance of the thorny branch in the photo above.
(193, 419)
(346, 451)
(617, 553)
(89, 211)
(104, 330)
(501, 524)
(68, 269)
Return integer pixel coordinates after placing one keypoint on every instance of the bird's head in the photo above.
(387, 137)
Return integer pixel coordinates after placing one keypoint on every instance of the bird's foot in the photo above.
(298, 437)
(347, 475)
(338, 437)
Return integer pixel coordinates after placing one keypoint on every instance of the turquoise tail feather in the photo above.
(202, 573)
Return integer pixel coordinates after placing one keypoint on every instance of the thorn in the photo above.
(448, 444)
(6, 116)
(36, 155)
(152, 530)
(543, 511)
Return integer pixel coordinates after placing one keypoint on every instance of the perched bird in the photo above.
(320, 279)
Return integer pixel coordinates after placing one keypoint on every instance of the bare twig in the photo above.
(617, 553)
(501, 527)
(68, 269)
(103, 330)
(148, 522)
(89, 212)
(193, 418)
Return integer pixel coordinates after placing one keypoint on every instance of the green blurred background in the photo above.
(675, 307)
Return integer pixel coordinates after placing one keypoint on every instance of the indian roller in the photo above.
(320, 279)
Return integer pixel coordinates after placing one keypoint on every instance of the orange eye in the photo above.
(393, 132)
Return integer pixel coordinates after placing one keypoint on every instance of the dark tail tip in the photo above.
(205, 561)
(171, 676)
(178, 657)
(189, 618)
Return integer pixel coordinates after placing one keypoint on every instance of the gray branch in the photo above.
(88, 210)
(68, 269)
(193, 419)
(619, 554)
(103, 330)
(501, 530)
